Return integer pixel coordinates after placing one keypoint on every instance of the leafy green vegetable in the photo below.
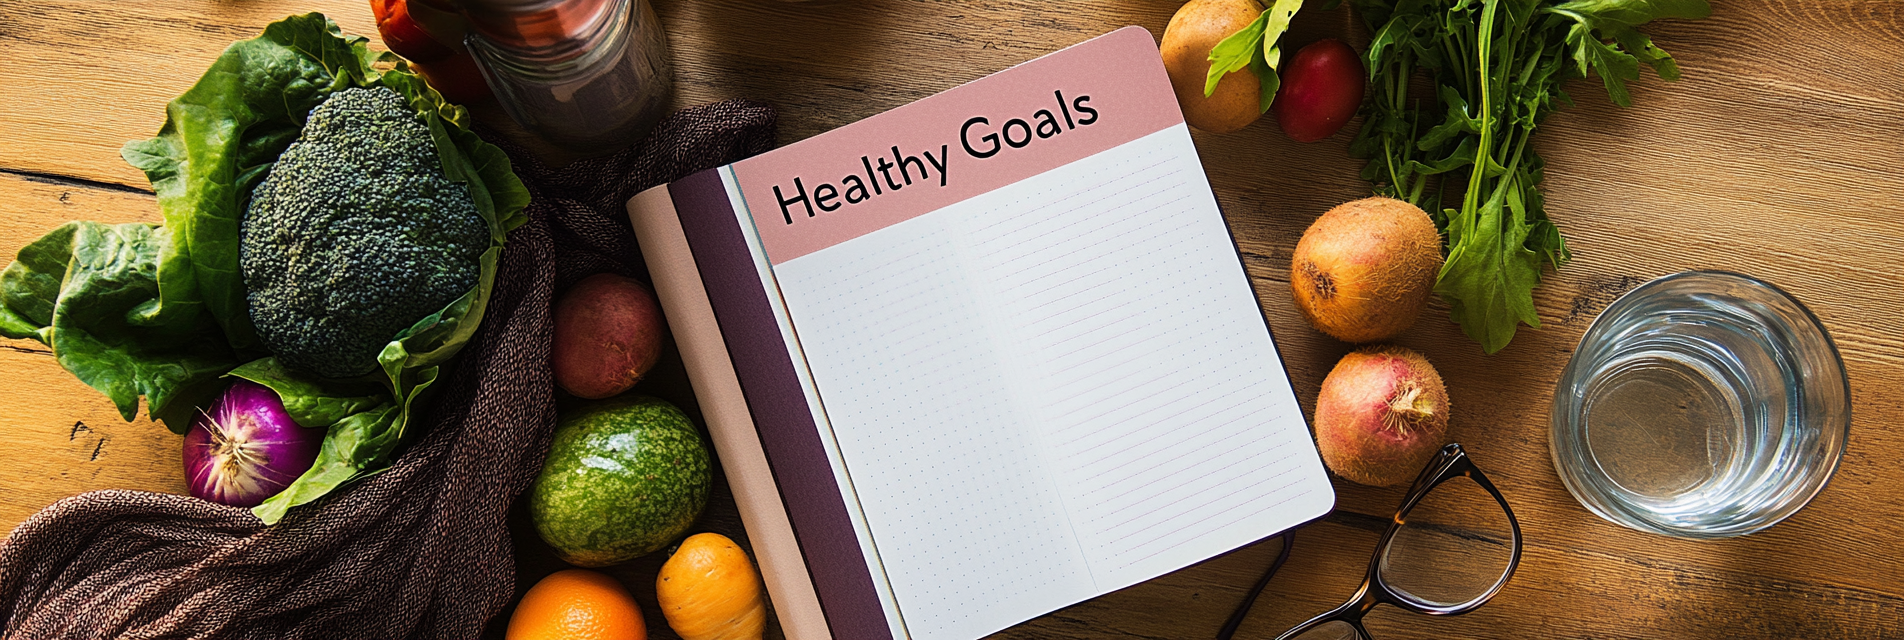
(363, 422)
(137, 310)
(355, 235)
(220, 138)
(90, 291)
(1497, 67)
(1258, 47)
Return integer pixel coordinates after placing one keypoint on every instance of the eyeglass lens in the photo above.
(1331, 630)
(1451, 548)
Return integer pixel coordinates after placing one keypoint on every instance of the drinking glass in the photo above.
(1703, 404)
(1451, 546)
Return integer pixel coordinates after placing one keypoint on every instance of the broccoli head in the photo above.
(355, 235)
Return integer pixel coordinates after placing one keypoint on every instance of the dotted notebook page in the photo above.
(1053, 390)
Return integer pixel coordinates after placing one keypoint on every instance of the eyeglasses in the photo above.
(1452, 545)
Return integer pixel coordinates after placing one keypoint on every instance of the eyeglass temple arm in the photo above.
(1242, 610)
(1454, 461)
(1513, 523)
(1450, 462)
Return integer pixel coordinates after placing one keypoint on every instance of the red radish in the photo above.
(246, 448)
(1382, 413)
(1321, 89)
(608, 331)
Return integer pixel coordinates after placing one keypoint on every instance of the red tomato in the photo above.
(402, 34)
(456, 77)
(1322, 88)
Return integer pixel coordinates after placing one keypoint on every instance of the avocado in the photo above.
(624, 478)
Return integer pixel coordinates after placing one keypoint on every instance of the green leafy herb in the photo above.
(1497, 67)
(160, 311)
(1256, 47)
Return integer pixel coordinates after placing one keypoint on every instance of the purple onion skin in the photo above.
(245, 448)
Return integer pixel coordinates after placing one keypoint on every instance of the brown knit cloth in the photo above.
(418, 551)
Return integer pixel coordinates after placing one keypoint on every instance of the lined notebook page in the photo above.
(1162, 407)
(1053, 390)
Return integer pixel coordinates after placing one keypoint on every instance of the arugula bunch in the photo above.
(1257, 47)
(1496, 67)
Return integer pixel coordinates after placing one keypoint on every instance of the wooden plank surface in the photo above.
(1777, 155)
(74, 440)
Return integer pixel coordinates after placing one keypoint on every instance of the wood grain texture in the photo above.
(85, 77)
(65, 439)
(1777, 155)
(68, 439)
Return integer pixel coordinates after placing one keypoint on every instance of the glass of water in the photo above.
(1703, 404)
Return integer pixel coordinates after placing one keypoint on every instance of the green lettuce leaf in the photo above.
(363, 425)
(311, 401)
(90, 291)
(1497, 67)
(1489, 276)
(29, 288)
(161, 312)
(1632, 13)
(1235, 52)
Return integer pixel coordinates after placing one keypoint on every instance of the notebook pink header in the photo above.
(964, 142)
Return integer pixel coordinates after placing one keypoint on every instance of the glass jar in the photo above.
(590, 76)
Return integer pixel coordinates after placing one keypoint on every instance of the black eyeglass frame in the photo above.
(1449, 463)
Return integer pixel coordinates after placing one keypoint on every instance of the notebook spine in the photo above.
(777, 403)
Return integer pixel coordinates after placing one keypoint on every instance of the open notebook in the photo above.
(983, 356)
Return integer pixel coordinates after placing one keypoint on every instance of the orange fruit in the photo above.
(577, 604)
(709, 591)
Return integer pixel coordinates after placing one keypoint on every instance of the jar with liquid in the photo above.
(590, 76)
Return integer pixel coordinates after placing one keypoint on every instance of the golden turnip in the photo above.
(1192, 33)
(1363, 271)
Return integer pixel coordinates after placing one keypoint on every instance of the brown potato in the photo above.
(1196, 29)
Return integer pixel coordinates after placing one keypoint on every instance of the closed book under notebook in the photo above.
(983, 356)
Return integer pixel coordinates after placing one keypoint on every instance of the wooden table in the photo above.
(1778, 155)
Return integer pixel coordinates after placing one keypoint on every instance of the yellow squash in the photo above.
(709, 590)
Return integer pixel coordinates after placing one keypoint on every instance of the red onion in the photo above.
(246, 448)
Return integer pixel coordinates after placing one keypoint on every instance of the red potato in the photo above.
(1382, 412)
(1322, 88)
(608, 332)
